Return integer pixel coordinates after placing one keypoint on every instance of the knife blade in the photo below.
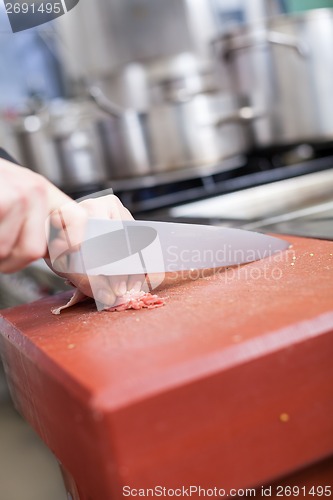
(113, 247)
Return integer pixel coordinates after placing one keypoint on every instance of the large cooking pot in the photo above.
(62, 142)
(203, 130)
(124, 135)
(285, 70)
(195, 130)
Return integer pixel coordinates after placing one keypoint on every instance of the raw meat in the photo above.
(137, 300)
(77, 297)
(131, 300)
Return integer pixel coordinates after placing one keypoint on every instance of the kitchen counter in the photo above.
(302, 206)
(228, 385)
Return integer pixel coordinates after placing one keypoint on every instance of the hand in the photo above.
(26, 200)
(105, 289)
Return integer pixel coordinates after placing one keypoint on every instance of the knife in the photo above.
(117, 247)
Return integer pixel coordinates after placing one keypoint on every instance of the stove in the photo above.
(292, 199)
(282, 190)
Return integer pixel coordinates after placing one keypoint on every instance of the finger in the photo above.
(135, 282)
(68, 216)
(58, 254)
(95, 208)
(118, 285)
(102, 291)
(10, 228)
(70, 221)
(73, 220)
(108, 207)
(122, 213)
(96, 287)
(31, 243)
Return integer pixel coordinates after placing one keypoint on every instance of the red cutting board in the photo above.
(230, 384)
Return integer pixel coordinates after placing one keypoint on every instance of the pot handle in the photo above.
(104, 103)
(277, 38)
(273, 37)
(245, 114)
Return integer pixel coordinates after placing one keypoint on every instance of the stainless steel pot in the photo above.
(202, 130)
(284, 69)
(124, 137)
(197, 130)
(62, 143)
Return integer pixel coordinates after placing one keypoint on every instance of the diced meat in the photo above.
(131, 300)
(137, 300)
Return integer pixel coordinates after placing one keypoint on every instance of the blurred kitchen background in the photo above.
(205, 111)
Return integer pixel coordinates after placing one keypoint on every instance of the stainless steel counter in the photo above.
(301, 206)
